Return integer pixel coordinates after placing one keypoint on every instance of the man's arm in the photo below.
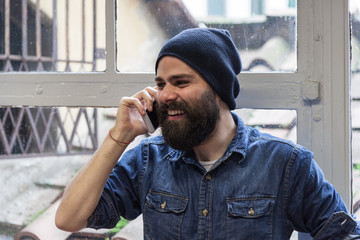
(311, 203)
(82, 194)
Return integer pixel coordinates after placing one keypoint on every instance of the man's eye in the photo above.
(160, 85)
(181, 83)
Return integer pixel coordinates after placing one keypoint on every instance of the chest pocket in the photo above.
(250, 217)
(163, 215)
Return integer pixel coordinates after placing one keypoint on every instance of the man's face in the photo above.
(188, 107)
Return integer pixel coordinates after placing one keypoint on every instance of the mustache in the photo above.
(178, 105)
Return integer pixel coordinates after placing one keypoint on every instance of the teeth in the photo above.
(175, 112)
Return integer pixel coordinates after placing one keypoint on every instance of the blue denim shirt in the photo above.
(263, 187)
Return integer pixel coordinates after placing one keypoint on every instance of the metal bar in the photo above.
(24, 29)
(24, 40)
(67, 50)
(8, 67)
(94, 36)
(3, 133)
(38, 36)
(54, 40)
(7, 27)
(28, 58)
(62, 131)
(32, 122)
(16, 124)
(88, 123)
(38, 29)
(36, 121)
(28, 143)
(110, 37)
(83, 34)
(95, 128)
(47, 125)
(76, 124)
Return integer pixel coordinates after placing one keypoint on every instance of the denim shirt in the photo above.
(263, 187)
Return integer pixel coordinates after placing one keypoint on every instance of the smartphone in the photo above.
(151, 120)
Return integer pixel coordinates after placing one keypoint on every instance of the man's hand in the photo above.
(129, 122)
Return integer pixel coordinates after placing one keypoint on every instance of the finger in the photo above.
(152, 91)
(149, 96)
(133, 102)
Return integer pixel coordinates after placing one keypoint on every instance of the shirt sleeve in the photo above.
(311, 203)
(120, 197)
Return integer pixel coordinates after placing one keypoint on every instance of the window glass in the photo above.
(216, 7)
(355, 102)
(263, 30)
(279, 123)
(34, 132)
(57, 35)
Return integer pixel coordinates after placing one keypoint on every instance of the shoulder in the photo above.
(255, 136)
(257, 139)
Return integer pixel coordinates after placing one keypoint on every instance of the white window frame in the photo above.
(322, 78)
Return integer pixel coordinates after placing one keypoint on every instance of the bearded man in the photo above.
(207, 176)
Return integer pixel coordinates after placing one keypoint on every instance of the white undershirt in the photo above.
(207, 164)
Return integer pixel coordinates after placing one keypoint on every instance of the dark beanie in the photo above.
(213, 54)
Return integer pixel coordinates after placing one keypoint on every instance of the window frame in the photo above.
(319, 90)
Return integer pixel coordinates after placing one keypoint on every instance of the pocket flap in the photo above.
(253, 207)
(166, 202)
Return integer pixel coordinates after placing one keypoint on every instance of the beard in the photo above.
(195, 127)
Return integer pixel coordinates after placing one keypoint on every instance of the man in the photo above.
(207, 176)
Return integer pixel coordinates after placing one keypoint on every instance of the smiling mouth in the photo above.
(175, 114)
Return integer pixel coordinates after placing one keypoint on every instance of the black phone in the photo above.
(151, 119)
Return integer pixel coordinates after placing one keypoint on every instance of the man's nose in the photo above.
(167, 94)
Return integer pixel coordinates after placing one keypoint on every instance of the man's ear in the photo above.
(221, 103)
(218, 98)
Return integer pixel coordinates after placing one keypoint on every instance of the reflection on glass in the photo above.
(263, 30)
(279, 123)
(355, 102)
(57, 35)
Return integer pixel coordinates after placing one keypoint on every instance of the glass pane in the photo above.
(355, 103)
(57, 35)
(263, 30)
(33, 132)
(279, 123)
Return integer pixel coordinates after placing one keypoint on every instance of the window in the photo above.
(43, 36)
(257, 7)
(314, 83)
(292, 3)
(216, 8)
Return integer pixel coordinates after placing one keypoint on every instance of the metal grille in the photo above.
(29, 42)
(47, 131)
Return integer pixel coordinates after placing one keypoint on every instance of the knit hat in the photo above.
(213, 54)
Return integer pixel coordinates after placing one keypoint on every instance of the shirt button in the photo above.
(208, 177)
(251, 212)
(205, 212)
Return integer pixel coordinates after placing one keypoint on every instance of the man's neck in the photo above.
(215, 146)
